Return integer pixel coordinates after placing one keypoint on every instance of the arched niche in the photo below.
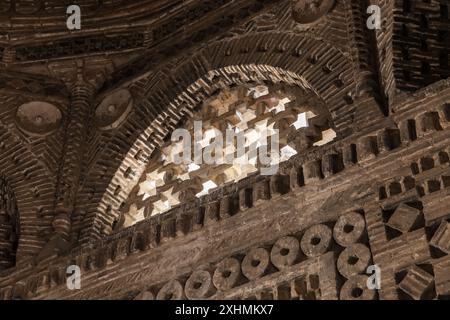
(162, 97)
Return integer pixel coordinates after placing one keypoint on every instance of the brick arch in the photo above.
(29, 179)
(30, 163)
(310, 63)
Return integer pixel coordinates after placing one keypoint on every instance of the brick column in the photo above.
(76, 129)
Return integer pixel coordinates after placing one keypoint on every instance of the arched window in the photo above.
(9, 225)
(235, 133)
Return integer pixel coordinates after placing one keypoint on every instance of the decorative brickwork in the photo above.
(86, 119)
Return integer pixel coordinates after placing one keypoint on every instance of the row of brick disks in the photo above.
(347, 232)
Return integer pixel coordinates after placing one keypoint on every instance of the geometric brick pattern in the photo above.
(376, 195)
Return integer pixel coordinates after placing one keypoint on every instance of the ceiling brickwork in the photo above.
(421, 43)
(83, 113)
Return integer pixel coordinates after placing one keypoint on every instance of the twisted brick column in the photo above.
(77, 125)
(9, 226)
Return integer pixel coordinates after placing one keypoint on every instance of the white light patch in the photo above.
(287, 152)
(251, 136)
(327, 136)
(193, 167)
(281, 106)
(241, 118)
(208, 185)
(208, 136)
(302, 121)
(278, 108)
(148, 189)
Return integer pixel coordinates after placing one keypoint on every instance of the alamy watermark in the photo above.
(73, 281)
(74, 20)
(374, 21)
(374, 280)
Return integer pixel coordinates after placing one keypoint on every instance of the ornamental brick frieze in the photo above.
(300, 266)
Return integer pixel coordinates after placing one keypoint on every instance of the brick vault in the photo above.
(87, 176)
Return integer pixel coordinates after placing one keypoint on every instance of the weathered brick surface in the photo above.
(377, 194)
